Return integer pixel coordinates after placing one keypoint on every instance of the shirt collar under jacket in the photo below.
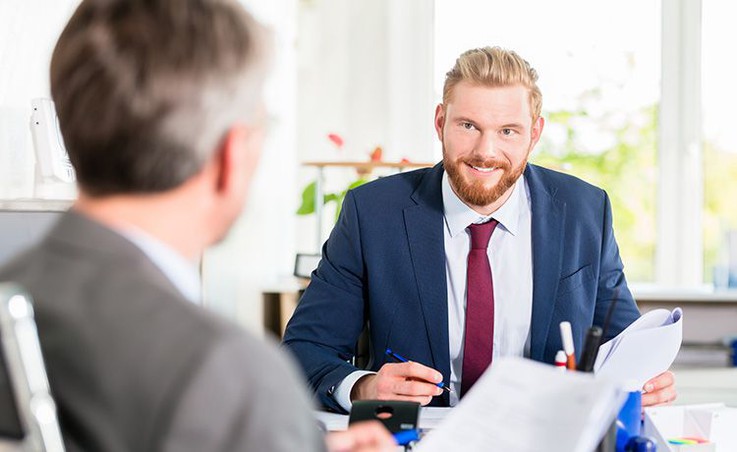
(182, 273)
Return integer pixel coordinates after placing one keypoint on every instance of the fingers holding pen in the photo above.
(409, 381)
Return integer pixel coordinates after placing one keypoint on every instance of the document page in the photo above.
(643, 350)
(522, 406)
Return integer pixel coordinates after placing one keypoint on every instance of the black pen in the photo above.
(404, 360)
(590, 349)
(594, 338)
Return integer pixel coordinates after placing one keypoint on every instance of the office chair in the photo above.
(27, 410)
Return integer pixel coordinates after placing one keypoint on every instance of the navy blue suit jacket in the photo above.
(384, 264)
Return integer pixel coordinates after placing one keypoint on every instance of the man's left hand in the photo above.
(661, 390)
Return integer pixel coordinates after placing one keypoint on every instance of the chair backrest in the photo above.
(27, 410)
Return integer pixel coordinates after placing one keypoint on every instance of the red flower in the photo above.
(336, 139)
(377, 154)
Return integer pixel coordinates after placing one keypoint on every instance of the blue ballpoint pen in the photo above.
(401, 359)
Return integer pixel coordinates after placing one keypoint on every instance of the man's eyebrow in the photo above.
(464, 119)
(512, 125)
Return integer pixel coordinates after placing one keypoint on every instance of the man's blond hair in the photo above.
(493, 67)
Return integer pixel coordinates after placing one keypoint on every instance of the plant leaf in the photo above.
(308, 199)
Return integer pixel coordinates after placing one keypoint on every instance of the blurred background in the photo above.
(638, 98)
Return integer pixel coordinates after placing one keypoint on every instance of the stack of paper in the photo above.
(643, 350)
(523, 406)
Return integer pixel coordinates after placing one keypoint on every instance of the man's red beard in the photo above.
(473, 192)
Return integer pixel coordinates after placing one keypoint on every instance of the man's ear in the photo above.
(439, 120)
(537, 131)
(228, 160)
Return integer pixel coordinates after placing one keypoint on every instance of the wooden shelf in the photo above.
(365, 168)
(368, 165)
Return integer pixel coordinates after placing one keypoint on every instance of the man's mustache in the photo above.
(486, 163)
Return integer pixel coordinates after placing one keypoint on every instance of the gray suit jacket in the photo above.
(133, 366)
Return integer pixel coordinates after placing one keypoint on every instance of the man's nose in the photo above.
(486, 146)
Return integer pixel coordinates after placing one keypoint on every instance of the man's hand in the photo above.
(661, 390)
(402, 381)
(368, 436)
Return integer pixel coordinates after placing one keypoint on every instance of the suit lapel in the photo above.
(548, 220)
(424, 226)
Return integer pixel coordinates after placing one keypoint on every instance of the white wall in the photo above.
(28, 32)
(259, 251)
(365, 72)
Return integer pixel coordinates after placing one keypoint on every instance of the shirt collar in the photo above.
(182, 273)
(458, 215)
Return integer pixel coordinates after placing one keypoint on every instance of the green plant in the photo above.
(309, 195)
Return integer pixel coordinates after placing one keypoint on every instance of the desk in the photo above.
(279, 303)
(694, 386)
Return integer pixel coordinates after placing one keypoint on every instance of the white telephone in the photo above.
(54, 172)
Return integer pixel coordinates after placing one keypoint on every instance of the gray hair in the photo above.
(145, 90)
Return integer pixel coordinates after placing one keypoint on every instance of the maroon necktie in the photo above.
(479, 339)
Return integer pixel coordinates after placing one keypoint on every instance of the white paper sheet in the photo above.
(643, 350)
(432, 416)
(524, 406)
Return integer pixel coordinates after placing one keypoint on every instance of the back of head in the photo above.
(146, 89)
(494, 67)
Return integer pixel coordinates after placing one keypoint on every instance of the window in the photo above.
(719, 139)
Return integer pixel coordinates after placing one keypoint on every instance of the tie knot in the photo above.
(481, 234)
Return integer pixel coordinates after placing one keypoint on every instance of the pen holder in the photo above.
(629, 420)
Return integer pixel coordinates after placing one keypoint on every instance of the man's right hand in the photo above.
(401, 381)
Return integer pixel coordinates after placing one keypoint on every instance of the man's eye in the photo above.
(507, 132)
(467, 125)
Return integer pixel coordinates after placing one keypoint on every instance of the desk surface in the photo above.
(693, 385)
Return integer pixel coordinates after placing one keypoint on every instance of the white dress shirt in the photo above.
(182, 273)
(510, 256)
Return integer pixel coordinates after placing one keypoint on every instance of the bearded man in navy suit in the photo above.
(398, 259)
